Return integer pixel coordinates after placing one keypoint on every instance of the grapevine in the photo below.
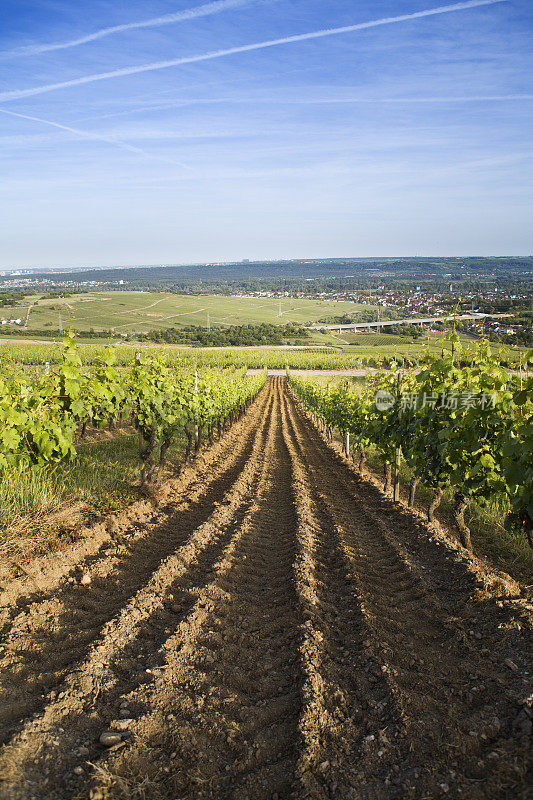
(41, 417)
(460, 424)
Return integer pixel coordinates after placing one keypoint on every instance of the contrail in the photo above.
(18, 94)
(191, 13)
(96, 137)
(481, 98)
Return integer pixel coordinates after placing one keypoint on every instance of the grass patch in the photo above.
(39, 505)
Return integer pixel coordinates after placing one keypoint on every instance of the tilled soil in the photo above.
(281, 630)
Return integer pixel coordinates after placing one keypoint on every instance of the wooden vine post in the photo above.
(397, 458)
(396, 480)
(196, 428)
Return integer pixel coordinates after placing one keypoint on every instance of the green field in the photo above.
(126, 312)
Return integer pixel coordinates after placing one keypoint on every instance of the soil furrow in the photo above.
(346, 696)
(453, 704)
(452, 575)
(281, 632)
(128, 649)
(139, 533)
(224, 721)
(55, 635)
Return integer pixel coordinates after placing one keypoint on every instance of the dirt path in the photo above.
(283, 632)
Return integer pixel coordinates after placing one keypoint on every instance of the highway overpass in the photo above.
(410, 321)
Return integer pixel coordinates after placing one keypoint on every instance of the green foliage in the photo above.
(461, 425)
(230, 336)
(39, 418)
(518, 459)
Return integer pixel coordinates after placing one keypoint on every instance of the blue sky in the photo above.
(130, 135)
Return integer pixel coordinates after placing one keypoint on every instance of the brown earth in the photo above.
(272, 627)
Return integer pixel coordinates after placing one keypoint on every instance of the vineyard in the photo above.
(465, 427)
(268, 623)
(374, 351)
(38, 355)
(39, 418)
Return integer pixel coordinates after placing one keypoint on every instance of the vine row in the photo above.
(464, 427)
(41, 416)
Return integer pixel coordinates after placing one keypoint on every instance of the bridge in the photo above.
(424, 321)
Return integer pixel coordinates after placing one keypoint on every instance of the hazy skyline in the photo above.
(163, 132)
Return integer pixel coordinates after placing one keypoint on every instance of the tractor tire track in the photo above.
(289, 638)
(127, 532)
(224, 719)
(346, 696)
(49, 638)
(448, 701)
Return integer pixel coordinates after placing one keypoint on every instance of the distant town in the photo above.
(496, 292)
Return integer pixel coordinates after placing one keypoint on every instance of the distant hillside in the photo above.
(209, 275)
